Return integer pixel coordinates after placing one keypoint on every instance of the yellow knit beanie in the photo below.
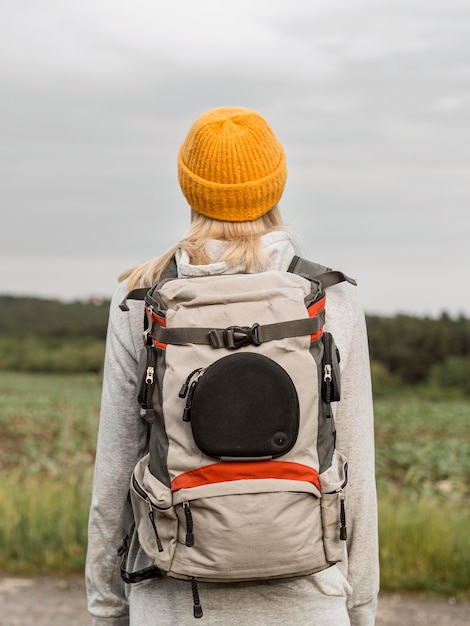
(231, 166)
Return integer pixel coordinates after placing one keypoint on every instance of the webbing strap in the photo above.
(171, 271)
(326, 276)
(134, 294)
(139, 575)
(236, 336)
(333, 277)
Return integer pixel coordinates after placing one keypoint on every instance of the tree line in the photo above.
(45, 335)
(413, 351)
(411, 346)
(39, 335)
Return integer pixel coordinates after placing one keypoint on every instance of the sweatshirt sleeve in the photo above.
(121, 442)
(355, 438)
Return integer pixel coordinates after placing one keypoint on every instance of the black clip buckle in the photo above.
(237, 336)
(149, 324)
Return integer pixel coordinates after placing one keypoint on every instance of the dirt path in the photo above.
(61, 602)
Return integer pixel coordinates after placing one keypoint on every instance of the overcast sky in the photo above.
(371, 100)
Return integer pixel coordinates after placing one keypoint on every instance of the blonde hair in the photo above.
(243, 246)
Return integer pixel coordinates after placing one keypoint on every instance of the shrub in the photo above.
(383, 382)
(38, 354)
(451, 376)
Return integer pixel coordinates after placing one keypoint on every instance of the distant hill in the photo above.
(69, 336)
(50, 318)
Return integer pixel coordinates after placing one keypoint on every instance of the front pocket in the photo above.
(333, 481)
(243, 406)
(154, 514)
(250, 536)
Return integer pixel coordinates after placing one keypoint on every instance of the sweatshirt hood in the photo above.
(278, 251)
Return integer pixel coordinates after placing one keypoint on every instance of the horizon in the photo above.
(370, 99)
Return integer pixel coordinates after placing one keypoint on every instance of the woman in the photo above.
(232, 172)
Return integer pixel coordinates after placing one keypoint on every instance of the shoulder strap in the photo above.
(171, 271)
(309, 269)
(298, 265)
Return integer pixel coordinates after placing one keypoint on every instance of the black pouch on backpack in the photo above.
(244, 406)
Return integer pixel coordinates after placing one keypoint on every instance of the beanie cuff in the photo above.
(240, 202)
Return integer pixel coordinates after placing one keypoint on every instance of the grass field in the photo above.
(48, 428)
(423, 480)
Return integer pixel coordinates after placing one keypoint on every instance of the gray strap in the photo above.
(170, 272)
(303, 267)
(326, 276)
(134, 294)
(333, 277)
(235, 337)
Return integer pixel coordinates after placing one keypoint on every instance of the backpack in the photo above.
(242, 480)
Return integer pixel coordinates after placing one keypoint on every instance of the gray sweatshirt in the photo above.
(321, 598)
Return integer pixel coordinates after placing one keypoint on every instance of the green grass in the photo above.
(48, 423)
(425, 544)
(423, 481)
(422, 445)
(44, 522)
(48, 427)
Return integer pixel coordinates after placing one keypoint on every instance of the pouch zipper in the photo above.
(327, 378)
(187, 391)
(329, 385)
(189, 525)
(148, 383)
(197, 609)
(343, 533)
(151, 506)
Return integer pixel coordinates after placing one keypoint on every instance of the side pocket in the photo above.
(333, 481)
(147, 376)
(154, 514)
(330, 392)
(331, 387)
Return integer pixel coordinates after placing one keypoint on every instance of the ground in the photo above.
(61, 602)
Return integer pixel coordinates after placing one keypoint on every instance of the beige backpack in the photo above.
(242, 480)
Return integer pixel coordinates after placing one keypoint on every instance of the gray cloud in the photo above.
(371, 101)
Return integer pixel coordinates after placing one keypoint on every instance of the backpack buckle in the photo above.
(237, 336)
(149, 325)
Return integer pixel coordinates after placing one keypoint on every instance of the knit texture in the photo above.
(231, 166)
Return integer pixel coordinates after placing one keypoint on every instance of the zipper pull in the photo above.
(149, 384)
(149, 376)
(189, 525)
(327, 377)
(184, 388)
(197, 609)
(343, 533)
(187, 409)
(154, 526)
